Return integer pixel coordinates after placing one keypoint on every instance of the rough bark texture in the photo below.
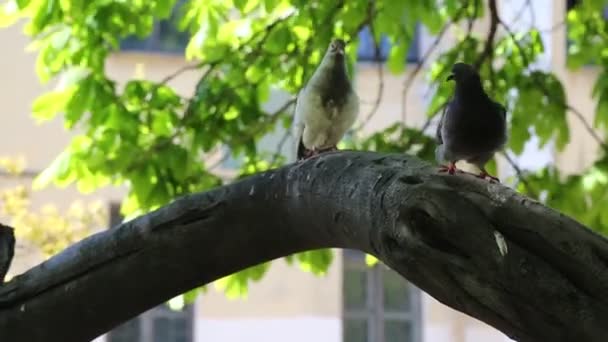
(478, 247)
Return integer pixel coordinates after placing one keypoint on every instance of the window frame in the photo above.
(374, 312)
(146, 319)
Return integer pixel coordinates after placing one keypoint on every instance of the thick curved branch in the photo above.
(478, 247)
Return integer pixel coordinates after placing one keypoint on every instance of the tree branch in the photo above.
(409, 81)
(478, 247)
(380, 71)
(488, 49)
(520, 174)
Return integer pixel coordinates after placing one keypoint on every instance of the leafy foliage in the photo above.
(155, 141)
(49, 228)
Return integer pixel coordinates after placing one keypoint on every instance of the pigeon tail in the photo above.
(302, 150)
(439, 153)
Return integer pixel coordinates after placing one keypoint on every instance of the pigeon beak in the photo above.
(450, 78)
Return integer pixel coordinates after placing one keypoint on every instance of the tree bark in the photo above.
(478, 247)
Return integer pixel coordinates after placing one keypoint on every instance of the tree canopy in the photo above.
(146, 136)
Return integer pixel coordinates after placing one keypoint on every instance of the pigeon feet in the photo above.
(314, 152)
(330, 149)
(451, 169)
(484, 175)
(309, 154)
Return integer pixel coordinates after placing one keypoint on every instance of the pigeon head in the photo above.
(336, 48)
(463, 73)
(332, 73)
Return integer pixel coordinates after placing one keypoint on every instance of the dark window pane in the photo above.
(126, 332)
(180, 330)
(180, 324)
(355, 289)
(162, 332)
(165, 36)
(396, 291)
(170, 325)
(355, 330)
(367, 51)
(397, 331)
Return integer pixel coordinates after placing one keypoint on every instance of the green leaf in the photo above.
(317, 262)
(278, 39)
(236, 285)
(22, 3)
(370, 260)
(48, 105)
(163, 123)
(396, 58)
(270, 5)
(164, 8)
(240, 4)
(59, 171)
(176, 303)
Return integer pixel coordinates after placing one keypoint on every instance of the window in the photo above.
(367, 50)
(165, 36)
(378, 304)
(160, 324)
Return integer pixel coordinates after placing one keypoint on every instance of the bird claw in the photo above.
(484, 175)
(451, 169)
(329, 149)
(308, 154)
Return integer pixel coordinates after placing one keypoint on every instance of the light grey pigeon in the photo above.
(326, 107)
(473, 126)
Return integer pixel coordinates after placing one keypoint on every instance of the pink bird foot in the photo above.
(450, 168)
(484, 175)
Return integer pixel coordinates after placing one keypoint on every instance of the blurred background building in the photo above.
(353, 303)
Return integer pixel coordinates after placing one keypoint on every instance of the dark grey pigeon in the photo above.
(473, 126)
(7, 249)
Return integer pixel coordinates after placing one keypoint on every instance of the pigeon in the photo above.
(472, 126)
(7, 249)
(326, 107)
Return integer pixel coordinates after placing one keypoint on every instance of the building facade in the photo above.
(353, 302)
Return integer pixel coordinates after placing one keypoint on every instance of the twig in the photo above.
(410, 80)
(380, 70)
(282, 142)
(219, 162)
(552, 28)
(273, 117)
(520, 12)
(426, 124)
(520, 174)
(180, 71)
(488, 50)
(532, 12)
